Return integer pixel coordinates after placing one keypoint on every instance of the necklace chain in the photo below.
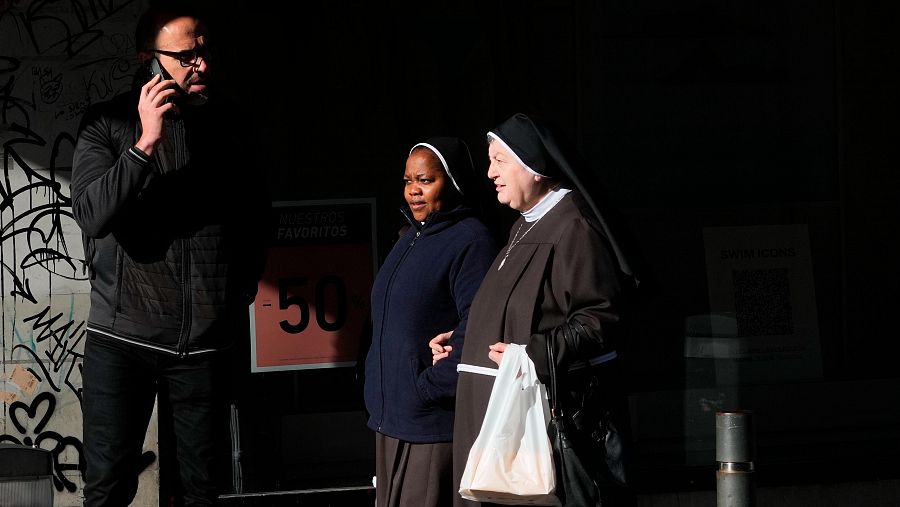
(516, 240)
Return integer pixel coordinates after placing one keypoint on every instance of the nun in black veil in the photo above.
(424, 288)
(560, 278)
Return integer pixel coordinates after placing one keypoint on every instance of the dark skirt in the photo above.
(413, 475)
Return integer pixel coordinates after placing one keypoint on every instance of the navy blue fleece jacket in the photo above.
(424, 288)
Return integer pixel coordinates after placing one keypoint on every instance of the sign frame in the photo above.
(341, 255)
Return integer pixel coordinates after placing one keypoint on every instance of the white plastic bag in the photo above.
(511, 462)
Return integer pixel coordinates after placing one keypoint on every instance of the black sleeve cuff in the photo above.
(139, 154)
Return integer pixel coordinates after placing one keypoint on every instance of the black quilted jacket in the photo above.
(175, 244)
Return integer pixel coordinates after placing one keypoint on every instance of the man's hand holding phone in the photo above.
(154, 102)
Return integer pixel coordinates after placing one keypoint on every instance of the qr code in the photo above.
(762, 302)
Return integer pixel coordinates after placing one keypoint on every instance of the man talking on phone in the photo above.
(172, 226)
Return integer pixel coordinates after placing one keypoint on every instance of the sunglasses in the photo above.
(188, 57)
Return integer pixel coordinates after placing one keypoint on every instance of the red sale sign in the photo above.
(313, 299)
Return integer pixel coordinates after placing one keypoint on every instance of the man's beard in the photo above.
(194, 98)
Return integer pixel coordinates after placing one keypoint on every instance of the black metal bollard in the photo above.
(735, 453)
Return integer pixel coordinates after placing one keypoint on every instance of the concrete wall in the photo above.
(56, 58)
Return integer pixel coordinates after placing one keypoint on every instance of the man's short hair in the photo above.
(156, 16)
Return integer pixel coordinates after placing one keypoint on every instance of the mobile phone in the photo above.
(154, 68)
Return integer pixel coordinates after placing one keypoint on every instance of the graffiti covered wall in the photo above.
(56, 59)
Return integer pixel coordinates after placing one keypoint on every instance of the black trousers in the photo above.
(120, 384)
